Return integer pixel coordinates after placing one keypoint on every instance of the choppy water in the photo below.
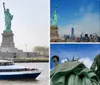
(42, 79)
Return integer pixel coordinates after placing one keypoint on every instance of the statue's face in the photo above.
(54, 60)
(7, 10)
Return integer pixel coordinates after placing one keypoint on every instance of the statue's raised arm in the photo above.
(4, 6)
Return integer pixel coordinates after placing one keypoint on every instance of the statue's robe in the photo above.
(73, 73)
(96, 65)
(8, 18)
(97, 59)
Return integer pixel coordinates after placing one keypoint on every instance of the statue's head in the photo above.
(55, 58)
(7, 10)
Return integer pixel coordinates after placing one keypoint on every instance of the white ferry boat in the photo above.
(8, 70)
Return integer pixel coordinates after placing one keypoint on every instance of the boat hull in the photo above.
(19, 76)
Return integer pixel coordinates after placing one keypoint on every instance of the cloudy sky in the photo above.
(30, 24)
(83, 15)
(86, 52)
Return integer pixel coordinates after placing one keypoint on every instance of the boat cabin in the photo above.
(9, 66)
(6, 62)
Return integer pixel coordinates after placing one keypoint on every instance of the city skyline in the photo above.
(83, 16)
(30, 24)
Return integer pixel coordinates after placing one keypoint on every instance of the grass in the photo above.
(24, 59)
(31, 59)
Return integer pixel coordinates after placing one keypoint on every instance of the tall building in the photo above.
(72, 33)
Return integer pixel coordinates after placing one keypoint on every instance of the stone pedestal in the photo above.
(7, 39)
(54, 36)
(7, 44)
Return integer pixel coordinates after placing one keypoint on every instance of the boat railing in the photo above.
(18, 70)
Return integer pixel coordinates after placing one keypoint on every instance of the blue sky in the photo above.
(77, 13)
(86, 52)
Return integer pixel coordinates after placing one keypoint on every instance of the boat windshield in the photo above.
(4, 63)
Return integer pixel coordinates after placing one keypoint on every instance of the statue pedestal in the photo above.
(54, 36)
(7, 39)
(7, 44)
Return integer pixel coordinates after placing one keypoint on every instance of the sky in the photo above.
(30, 24)
(83, 15)
(86, 52)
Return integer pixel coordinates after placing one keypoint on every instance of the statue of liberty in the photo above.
(8, 18)
(54, 19)
(73, 72)
(96, 65)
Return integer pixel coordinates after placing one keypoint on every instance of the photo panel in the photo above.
(75, 21)
(74, 64)
(24, 42)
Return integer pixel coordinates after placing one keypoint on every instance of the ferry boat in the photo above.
(8, 70)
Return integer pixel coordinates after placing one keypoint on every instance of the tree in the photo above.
(41, 50)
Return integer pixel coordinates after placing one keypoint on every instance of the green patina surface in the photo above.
(96, 65)
(8, 18)
(73, 73)
(54, 18)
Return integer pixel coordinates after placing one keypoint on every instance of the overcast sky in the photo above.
(30, 24)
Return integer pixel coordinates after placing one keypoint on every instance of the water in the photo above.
(42, 79)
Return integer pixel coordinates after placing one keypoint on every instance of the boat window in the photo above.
(17, 70)
(6, 63)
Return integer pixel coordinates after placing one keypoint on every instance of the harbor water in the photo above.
(42, 79)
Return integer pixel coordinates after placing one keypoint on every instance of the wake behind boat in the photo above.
(8, 70)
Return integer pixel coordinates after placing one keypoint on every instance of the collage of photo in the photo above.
(49, 42)
(75, 42)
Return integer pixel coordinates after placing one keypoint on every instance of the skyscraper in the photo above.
(72, 33)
